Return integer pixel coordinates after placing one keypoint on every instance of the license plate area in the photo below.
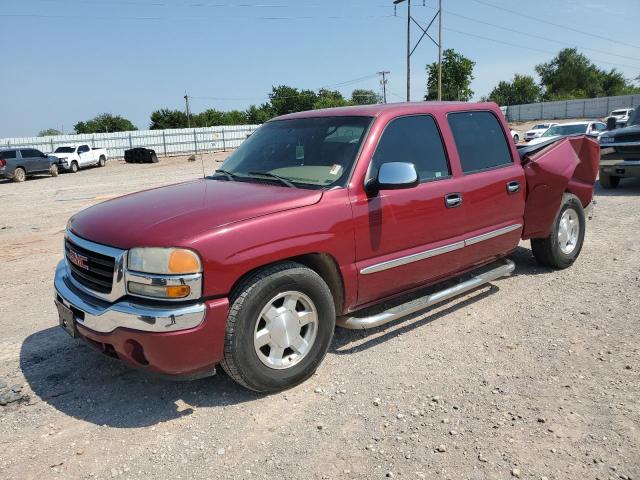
(67, 319)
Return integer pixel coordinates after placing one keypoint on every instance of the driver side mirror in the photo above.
(393, 176)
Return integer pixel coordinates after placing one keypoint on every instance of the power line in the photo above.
(526, 47)
(539, 37)
(564, 27)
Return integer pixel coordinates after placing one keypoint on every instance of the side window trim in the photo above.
(367, 177)
(505, 134)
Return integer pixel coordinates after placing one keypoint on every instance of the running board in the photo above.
(359, 323)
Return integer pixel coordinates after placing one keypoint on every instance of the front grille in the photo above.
(98, 274)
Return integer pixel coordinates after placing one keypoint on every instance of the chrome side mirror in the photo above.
(393, 176)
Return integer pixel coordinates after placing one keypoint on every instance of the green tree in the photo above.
(457, 74)
(329, 99)
(285, 99)
(364, 97)
(49, 132)
(572, 75)
(212, 118)
(257, 115)
(165, 118)
(523, 89)
(105, 122)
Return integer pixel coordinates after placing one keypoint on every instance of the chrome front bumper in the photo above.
(104, 317)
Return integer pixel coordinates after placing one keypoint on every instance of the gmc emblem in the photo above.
(78, 260)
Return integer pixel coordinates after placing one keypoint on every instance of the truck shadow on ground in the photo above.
(76, 380)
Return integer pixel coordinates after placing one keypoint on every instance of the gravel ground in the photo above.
(535, 376)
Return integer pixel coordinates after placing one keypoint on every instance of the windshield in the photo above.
(307, 152)
(566, 130)
(619, 113)
(541, 126)
(65, 150)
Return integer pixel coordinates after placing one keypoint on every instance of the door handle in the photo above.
(513, 187)
(453, 200)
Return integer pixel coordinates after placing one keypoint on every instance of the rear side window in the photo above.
(415, 139)
(480, 141)
(29, 153)
(83, 148)
(8, 154)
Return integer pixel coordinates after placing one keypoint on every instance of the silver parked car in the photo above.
(19, 163)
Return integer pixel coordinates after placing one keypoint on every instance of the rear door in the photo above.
(30, 160)
(405, 238)
(492, 184)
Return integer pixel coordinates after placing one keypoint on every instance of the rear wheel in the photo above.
(74, 167)
(19, 175)
(53, 170)
(516, 138)
(607, 181)
(102, 161)
(561, 248)
(280, 325)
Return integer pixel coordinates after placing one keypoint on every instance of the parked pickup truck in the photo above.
(620, 151)
(319, 218)
(74, 157)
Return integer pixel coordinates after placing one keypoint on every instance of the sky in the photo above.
(68, 60)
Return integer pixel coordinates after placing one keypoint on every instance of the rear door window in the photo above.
(7, 154)
(415, 139)
(29, 153)
(480, 141)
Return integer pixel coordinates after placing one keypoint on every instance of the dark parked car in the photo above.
(19, 163)
(620, 153)
(140, 155)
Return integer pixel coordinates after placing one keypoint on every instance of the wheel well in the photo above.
(321, 263)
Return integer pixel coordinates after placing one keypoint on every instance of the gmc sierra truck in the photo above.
(74, 157)
(318, 219)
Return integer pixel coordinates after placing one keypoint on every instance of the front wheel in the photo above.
(74, 167)
(561, 248)
(516, 138)
(53, 170)
(279, 328)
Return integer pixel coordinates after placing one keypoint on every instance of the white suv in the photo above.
(537, 131)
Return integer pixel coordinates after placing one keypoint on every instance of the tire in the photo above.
(102, 161)
(266, 365)
(74, 167)
(607, 181)
(154, 158)
(53, 170)
(19, 175)
(516, 138)
(561, 248)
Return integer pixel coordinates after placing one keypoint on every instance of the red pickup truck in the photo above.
(315, 218)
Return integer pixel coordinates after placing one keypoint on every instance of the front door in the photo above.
(405, 238)
(84, 153)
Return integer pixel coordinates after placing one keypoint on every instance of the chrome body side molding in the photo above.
(397, 262)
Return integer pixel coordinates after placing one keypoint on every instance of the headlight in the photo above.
(165, 273)
(165, 261)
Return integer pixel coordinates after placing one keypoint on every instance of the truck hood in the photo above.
(172, 215)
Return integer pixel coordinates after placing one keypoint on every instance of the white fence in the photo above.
(164, 142)
(583, 108)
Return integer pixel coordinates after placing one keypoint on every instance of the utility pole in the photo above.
(425, 32)
(186, 103)
(439, 50)
(383, 82)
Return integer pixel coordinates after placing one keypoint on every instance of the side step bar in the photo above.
(358, 323)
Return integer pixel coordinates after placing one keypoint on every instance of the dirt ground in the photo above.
(535, 376)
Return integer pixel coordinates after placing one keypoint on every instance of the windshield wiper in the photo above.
(229, 175)
(277, 177)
